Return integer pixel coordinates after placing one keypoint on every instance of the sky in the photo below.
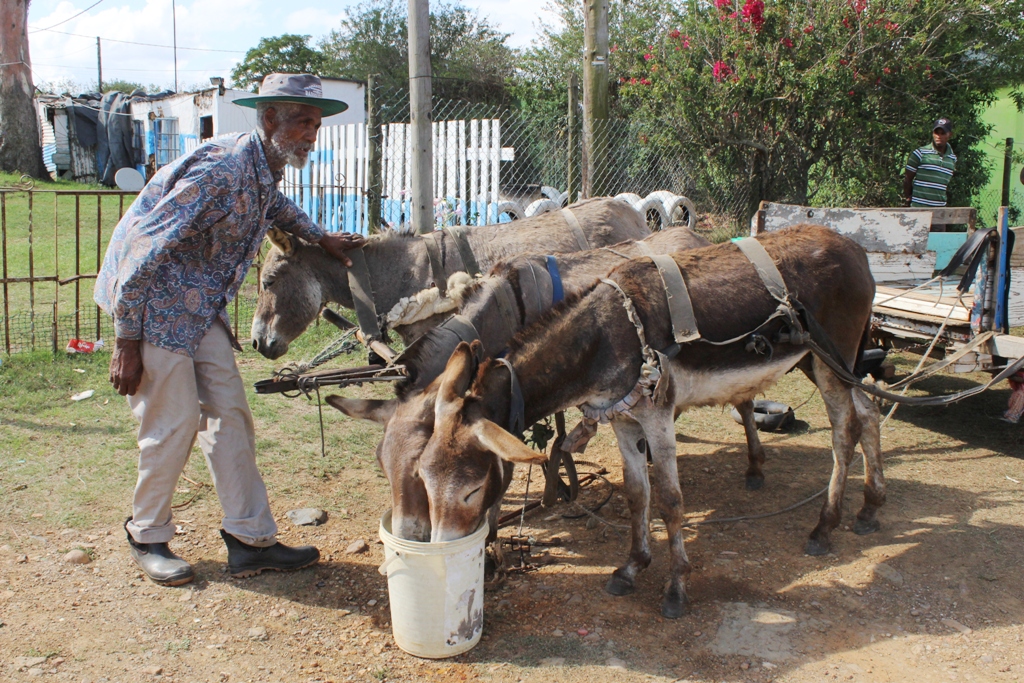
(222, 30)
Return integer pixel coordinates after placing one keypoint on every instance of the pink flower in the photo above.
(674, 34)
(886, 70)
(753, 11)
(722, 3)
(613, 48)
(733, 15)
(721, 70)
(850, 93)
(644, 81)
(858, 5)
(891, 27)
(787, 42)
(648, 57)
(686, 41)
(809, 28)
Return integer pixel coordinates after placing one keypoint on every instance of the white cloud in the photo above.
(312, 21)
(212, 24)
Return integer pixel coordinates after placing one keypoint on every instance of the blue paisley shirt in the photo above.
(183, 248)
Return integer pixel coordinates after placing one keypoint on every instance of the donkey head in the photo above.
(407, 428)
(463, 464)
(291, 292)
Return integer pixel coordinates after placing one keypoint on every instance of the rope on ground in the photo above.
(199, 487)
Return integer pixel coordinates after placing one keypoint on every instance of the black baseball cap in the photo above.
(944, 124)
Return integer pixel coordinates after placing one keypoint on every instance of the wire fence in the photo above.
(491, 164)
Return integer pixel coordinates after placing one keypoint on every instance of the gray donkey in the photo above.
(298, 278)
(455, 430)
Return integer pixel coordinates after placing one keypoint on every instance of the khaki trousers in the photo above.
(180, 399)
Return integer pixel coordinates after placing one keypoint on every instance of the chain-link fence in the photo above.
(492, 163)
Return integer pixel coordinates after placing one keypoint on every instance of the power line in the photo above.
(68, 19)
(132, 42)
(90, 68)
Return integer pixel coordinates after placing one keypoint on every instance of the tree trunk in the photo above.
(20, 151)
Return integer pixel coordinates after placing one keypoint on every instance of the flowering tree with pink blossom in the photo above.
(819, 101)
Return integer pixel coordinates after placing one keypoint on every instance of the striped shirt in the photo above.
(932, 174)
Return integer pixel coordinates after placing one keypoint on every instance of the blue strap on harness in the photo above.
(557, 293)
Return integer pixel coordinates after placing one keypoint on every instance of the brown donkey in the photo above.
(298, 278)
(588, 353)
(528, 285)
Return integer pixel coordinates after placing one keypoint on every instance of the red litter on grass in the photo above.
(82, 346)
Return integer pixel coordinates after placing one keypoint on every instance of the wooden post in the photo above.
(99, 66)
(1002, 274)
(595, 98)
(419, 115)
(573, 159)
(1007, 164)
(375, 176)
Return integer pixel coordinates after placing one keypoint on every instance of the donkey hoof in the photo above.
(619, 586)
(754, 482)
(863, 527)
(816, 547)
(674, 604)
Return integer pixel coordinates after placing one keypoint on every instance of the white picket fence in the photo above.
(467, 158)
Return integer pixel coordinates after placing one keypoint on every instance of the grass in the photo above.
(69, 460)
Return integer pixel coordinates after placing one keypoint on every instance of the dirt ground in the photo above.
(934, 596)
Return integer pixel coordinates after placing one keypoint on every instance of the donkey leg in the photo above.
(846, 431)
(755, 451)
(638, 493)
(874, 479)
(669, 498)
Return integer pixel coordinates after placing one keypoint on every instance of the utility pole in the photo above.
(174, 28)
(573, 160)
(419, 113)
(595, 98)
(99, 65)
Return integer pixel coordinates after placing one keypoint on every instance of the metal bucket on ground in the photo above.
(436, 592)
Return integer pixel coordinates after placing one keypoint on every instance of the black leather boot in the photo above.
(158, 562)
(246, 560)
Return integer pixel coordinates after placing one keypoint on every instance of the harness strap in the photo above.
(557, 292)
(517, 406)
(539, 298)
(576, 230)
(642, 247)
(680, 308)
(462, 327)
(362, 294)
(504, 305)
(436, 268)
(765, 266)
(458, 235)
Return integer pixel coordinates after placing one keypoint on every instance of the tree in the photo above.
(20, 151)
(288, 53)
(469, 58)
(821, 100)
(120, 85)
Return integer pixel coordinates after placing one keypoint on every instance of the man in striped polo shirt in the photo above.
(930, 168)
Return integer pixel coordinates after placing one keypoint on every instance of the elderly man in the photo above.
(175, 260)
(930, 168)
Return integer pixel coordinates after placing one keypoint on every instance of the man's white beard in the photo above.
(295, 154)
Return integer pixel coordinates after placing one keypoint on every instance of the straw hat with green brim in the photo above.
(298, 88)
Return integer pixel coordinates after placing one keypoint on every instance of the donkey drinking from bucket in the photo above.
(596, 349)
(528, 283)
(298, 278)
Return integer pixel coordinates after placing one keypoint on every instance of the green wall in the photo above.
(1006, 122)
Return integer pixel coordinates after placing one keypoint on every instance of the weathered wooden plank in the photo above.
(1017, 257)
(1015, 311)
(934, 309)
(901, 267)
(945, 215)
(889, 231)
(1007, 346)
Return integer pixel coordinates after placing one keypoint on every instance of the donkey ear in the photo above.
(457, 374)
(493, 438)
(282, 240)
(374, 411)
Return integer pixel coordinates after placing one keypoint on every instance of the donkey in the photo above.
(528, 284)
(298, 278)
(591, 352)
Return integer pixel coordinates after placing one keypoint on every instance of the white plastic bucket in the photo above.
(436, 592)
